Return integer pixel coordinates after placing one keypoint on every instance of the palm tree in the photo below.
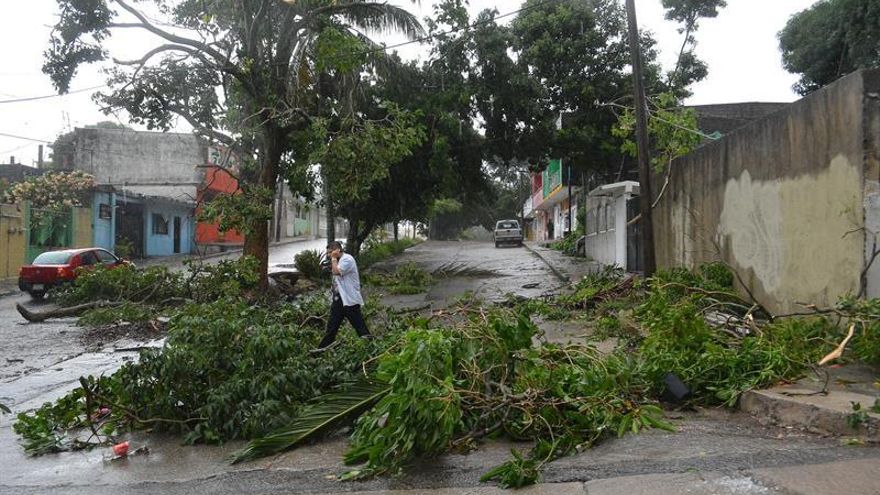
(247, 75)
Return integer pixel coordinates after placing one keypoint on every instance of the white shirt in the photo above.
(348, 284)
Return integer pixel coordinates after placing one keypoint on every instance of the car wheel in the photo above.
(496, 244)
(37, 295)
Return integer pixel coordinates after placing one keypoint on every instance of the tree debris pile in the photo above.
(124, 295)
(429, 385)
(229, 369)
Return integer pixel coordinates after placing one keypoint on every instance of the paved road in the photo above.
(714, 452)
(486, 272)
(30, 347)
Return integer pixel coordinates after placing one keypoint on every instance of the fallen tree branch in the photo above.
(836, 353)
(37, 317)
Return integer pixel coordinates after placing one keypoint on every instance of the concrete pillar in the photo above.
(620, 229)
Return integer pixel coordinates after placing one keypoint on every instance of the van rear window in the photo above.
(507, 225)
(52, 258)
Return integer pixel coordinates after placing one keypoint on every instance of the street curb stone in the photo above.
(825, 415)
(559, 274)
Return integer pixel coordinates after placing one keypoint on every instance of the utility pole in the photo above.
(645, 195)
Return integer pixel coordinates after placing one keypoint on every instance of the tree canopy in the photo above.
(829, 40)
(250, 75)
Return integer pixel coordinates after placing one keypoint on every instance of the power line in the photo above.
(55, 95)
(13, 136)
(15, 149)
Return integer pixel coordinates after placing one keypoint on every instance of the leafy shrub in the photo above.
(407, 278)
(567, 244)
(124, 248)
(308, 263)
(373, 253)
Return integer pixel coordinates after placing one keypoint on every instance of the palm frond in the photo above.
(380, 18)
(324, 412)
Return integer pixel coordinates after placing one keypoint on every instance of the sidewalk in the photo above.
(822, 405)
(567, 268)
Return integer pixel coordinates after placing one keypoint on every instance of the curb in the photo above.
(564, 278)
(239, 250)
(814, 413)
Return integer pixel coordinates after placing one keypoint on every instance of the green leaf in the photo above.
(324, 412)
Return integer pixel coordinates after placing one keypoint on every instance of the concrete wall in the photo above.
(12, 240)
(783, 200)
(82, 227)
(145, 163)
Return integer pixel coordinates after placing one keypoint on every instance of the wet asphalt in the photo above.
(714, 451)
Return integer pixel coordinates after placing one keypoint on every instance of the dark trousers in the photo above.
(337, 313)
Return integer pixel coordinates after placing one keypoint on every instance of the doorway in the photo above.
(129, 230)
(176, 235)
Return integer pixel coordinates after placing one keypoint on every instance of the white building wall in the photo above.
(600, 242)
(605, 233)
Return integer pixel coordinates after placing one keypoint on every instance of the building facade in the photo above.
(550, 211)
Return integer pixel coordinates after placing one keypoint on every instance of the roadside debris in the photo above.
(238, 367)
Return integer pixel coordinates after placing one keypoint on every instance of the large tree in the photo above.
(247, 74)
(688, 13)
(829, 40)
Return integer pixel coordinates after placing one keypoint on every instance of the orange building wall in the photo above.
(217, 181)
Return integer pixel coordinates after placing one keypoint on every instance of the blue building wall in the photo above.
(104, 229)
(162, 244)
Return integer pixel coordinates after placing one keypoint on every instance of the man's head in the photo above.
(334, 248)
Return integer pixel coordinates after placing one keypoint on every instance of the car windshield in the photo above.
(53, 258)
(507, 225)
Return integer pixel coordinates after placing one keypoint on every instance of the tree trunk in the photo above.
(358, 232)
(256, 243)
(352, 246)
(396, 231)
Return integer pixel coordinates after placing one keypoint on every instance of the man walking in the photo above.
(346, 296)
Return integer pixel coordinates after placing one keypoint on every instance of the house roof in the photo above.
(16, 172)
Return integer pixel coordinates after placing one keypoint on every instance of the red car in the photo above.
(54, 268)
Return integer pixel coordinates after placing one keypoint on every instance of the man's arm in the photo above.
(334, 266)
(345, 265)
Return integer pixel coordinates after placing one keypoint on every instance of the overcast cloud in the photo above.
(740, 47)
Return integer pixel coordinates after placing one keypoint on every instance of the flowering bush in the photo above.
(51, 196)
(53, 191)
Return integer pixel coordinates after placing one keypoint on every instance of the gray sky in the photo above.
(740, 47)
